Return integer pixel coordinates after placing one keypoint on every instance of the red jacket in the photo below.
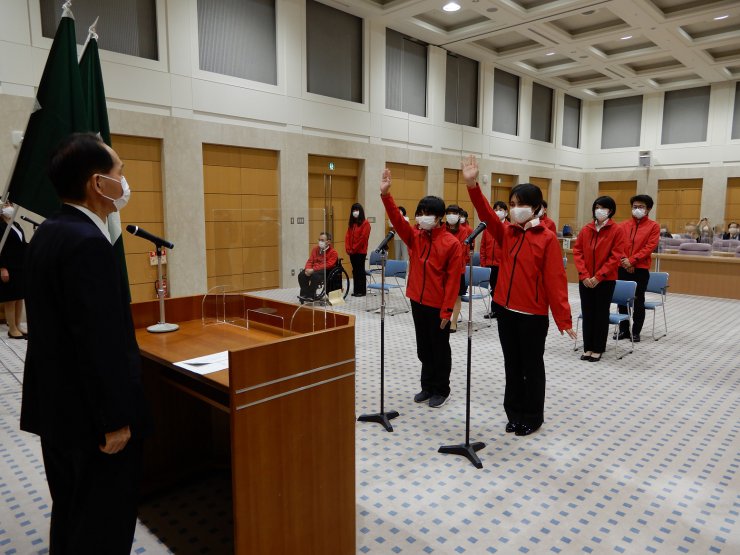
(549, 224)
(598, 253)
(531, 275)
(462, 233)
(318, 260)
(641, 237)
(355, 241)
(435, 258)
(490, 251)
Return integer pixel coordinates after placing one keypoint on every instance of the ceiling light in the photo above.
(719, 17)
(626, 37)
(550, 54)
(451, 7)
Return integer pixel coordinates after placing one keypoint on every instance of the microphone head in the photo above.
(132, 229)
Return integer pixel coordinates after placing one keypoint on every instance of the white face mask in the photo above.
(733, 231)
(638, 213)
(541, 212)
(355, 213)
(322, 245)
(521, 214)
(462, 219)
(705, 228)
(121, 202)
(452, 219)
(664, 230)
(426, 222)
(601, 214)
(501, 214)
(8, 211)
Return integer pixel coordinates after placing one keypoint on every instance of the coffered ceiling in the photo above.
(591, 49)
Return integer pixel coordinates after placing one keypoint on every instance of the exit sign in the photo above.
(331, 166)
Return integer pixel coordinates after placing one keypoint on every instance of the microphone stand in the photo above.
(383, 418)
(467, 449)
(162, 326)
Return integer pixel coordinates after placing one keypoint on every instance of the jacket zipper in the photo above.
(513, 268)
(424, 270)
(634, 236)
(596, 240)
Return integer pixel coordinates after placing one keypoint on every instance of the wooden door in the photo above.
(568, 204)
(501, 186)
(732, 202)
(679, 203)
(621, 192)
(456, 192)
(408, 188)
(544, 184)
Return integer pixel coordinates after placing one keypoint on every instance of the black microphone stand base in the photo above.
(382, 418)
(466, 450)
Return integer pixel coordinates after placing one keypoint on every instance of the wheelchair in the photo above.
(337, 278)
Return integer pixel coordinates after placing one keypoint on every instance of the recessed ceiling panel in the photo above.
(734, 70)
(724, 52)
(669, 7)
(547, 62)
(651, 66)
(610, 89)
(578, 78)
(596, 20)
(627, 46)
(706, 29)
(507, 42)
(451, 21)
(676, 79)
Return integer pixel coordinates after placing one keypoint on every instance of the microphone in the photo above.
(30, 221)
(384, 243)
(477, 231)
(158, 241)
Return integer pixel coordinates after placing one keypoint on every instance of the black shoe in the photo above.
(490, 316)
(636, 338)
(21, 336)
(621, 335)
(422, 396)
(585, 357)
(438, 401)
(594, 359)
(511, 427)
(525, 430)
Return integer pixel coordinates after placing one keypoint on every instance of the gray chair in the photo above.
(395, 270)
(657, 284)
(695, 249)
(670, 243)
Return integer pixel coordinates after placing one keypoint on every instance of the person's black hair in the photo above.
(402, 209)
(430, 206)
(74, 161)
(528, 194)
(732, 223)
(500, 204)
(453, 209)
(464, 213)
(604, 202)
(544, 203)
(359, 219)
(647, 199)
(328, 235)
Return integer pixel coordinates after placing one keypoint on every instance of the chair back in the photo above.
(695, 249)
(476, 259)
(657, 283)
(481, 277)
(375, 258)
(624, 292)
(396, 268)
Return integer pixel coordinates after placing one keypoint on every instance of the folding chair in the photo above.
(476, 259)
(481, 282)
(624, 294)
(394, 270)
(658, 284)
(374, 266)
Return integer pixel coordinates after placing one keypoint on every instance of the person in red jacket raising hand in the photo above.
(597, 253)
(531, 279)
(435, 259)
(641, 237)
(355, 243)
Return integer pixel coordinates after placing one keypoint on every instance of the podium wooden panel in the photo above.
(283, 413)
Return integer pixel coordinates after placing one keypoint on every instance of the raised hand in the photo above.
(469, 167)
(385, 182)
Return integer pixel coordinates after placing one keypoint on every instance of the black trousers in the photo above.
(433, 349)
(94, 498)
(359, 279)
(494, 278)
(595, 305)
(309, 284)
(523, 343)
(641, 276)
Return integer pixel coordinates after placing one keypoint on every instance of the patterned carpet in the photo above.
(636, 455)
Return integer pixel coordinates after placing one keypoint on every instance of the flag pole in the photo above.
(91, 34)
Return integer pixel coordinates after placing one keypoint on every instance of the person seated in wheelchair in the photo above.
(322, 260)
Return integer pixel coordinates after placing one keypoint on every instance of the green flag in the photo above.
(97, 114)
(59, 110)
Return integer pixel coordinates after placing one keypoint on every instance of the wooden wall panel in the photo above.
(242, 214)
(544, 184)
(732, 202)
(568, 204)
(456, 192)
(621, 192)
(408, 188)
(142, 166)
(678, 203)
(501, 186)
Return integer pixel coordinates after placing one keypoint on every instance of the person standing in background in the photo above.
(11, 272)
(490, 252)
(82, 390)
(399, 247)
(545, 220)
(453, 214)
(733, 231)
(355, 243)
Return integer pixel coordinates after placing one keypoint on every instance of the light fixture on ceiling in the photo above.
(451, 7)
(720, 17)
(626, 37)
(550, 54)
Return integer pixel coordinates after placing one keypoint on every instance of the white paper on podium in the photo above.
(206, 364)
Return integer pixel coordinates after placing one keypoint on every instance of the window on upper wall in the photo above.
(621, 122)
(125, 26)
(685, 116)
(505, 102)
(736, 116)
(334, 52)
(572, 121)
(237, 38)
(541, 128)
(405, 74)
(461, 90)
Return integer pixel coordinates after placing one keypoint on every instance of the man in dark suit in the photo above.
(82, 391)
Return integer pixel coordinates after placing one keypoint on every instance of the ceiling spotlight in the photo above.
(550, 54)
(451, 7)
(720, 17)
(626, 37)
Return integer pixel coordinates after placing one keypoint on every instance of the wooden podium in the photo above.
(283, 413)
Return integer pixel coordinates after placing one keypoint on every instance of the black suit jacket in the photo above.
(14, 250)
(83, 370)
